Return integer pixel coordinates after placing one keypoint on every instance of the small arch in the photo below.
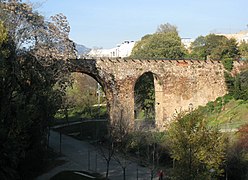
(152, 97)
(144, 97)
(89, 94)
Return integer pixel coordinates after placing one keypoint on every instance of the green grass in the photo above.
(70, 175)
(141, 115)
(77, 113)
(232, 115)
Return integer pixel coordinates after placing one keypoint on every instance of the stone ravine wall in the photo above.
(179, 84)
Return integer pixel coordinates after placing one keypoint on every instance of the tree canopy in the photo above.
(197, 148)
(32, 82)
(238, 85)
(166, 43)
(214, 47)
(243, 49)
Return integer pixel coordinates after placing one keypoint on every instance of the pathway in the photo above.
(76, 155)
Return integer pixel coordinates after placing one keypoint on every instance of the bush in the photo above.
(196, 148)
(228, 64)
(237, 162)
(237, 86)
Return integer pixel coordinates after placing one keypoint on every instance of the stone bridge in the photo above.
(179, 84)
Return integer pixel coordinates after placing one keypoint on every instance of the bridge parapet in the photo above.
(121, 60)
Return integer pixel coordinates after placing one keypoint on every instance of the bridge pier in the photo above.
(159, 96)
(122, 106)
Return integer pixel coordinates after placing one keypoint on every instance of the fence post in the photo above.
(88, 158)
(60, 142)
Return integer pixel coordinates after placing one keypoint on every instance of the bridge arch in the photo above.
(91, 94)
(104, 78)
(144, 95)
(155, 85)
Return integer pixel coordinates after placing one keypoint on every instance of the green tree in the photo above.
(32, 81)
(237, 86)
(145, 96)
(231, 49)
(214, 47)
(243, 48)
(196, 148)
(166, 43)
(241, 86)
(198, 50)
(237, 162)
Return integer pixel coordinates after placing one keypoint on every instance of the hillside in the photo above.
(81, 49)
(228, 117)
(230, 111)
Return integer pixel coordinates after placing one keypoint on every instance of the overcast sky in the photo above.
(106, 23)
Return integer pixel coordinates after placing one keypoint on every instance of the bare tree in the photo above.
(153, 150)
(106, 149)
(122, 141)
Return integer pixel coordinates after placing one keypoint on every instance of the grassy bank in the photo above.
(226, 113)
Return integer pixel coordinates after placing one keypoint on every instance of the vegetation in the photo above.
(243, 49)
(211, 150)
(237, 159)
(238, 86)
(32, 83)
(144, 94)
(84, 99)
(79, 113)
(214, 47)
(228, 117)
(230, 114)
(164, 28)
(150, 148)
(228, 64)
(165, 43)
(199, 150)
(229, 111)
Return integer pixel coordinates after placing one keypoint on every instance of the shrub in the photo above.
(237, 162)
(228, 64)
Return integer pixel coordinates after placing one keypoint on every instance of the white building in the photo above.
(187, 42)
(122, 50)
(240, 36)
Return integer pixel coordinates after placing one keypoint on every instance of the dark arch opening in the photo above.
(144, 97)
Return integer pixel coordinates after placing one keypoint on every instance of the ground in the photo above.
(76, 153)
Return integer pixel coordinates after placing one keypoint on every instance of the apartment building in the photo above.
(121, 50)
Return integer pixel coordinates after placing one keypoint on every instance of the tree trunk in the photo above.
(151, 174)
(124, 173)
(107, 171)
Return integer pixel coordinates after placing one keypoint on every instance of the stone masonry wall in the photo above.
(179, 84)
